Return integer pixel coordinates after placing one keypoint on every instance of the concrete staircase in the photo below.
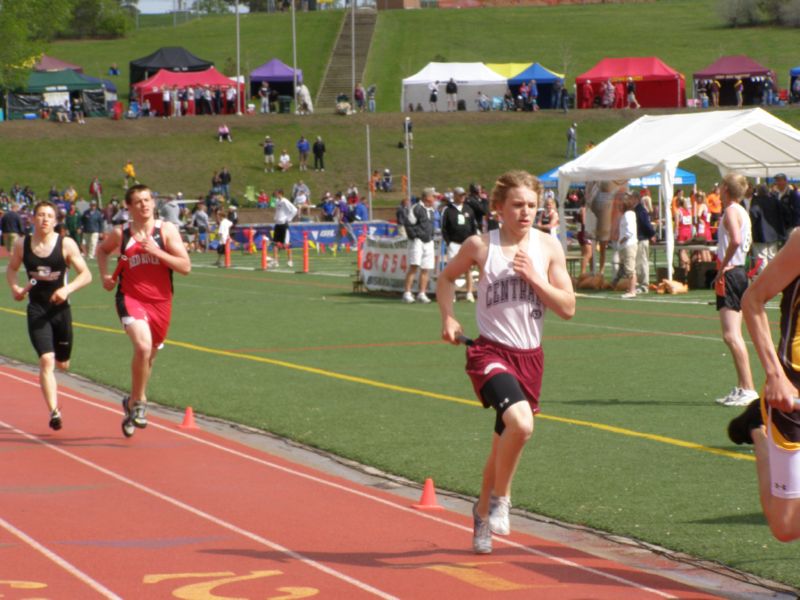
(339, 73)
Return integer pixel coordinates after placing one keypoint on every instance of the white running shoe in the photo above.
(289, 264)
(498, 514)
(408, 298)
(738, 397)
(628, 295)
(423, 298)
(481, 533)
(470, 297)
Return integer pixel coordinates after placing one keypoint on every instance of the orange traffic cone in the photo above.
(188, 419)
(428, 500)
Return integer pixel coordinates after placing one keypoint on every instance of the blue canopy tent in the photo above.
(682, 177)
(544, 77)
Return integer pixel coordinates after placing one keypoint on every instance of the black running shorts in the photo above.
(50, 329)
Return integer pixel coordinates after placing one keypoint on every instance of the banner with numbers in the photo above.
(384, 265)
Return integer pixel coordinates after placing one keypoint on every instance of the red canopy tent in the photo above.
(49, 63)
(153, 88)
(657, 84)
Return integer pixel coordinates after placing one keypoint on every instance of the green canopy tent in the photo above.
(51, 89)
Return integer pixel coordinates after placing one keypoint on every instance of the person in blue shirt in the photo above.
(328, 207)
(303, 148)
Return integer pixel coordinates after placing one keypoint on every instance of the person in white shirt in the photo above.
(284, 161)
(523, 273)
(628, 244)
(223, 237)
(285, 211)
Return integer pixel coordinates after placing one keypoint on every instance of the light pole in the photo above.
(407, 128)
(238, 63)
(369, 175)
(294, 58)
(353, 44)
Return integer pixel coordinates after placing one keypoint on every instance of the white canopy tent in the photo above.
(751, 142)
(470, 77)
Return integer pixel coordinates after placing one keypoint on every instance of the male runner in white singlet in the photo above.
(523, 272)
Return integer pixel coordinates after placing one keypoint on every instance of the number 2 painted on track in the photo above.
(204, 590)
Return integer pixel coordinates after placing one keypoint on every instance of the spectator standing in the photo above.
(458, 223)
(303, 147)
(269, 154)
(548, 217)
(738, 87)
(587, 95)
(630, 89)
(171, 211)
(285, 211)
(451, 89)
(645, 233)
(73, 224)
(263, 95)
(224, 226)
(421, 251)
(433, 97)
(166, 101)
(11, 226)
(96, 191)
(731, 283)
(371, 92)
(360, 97)
(702, 218)
(401, 216)
(714, 87)
(555, 93)
(47, 257)
(789, 199)
(230, 100)
(534, 95)
(201, 224)
(70, 194)
(319, 154)
(225, 182)
(408, 132)
(93, 224)
(768, 226)
(572, 141)
(628, 245)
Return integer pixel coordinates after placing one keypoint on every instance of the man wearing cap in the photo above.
(92, 224)
(789, 199)
(572, 141)
(419, 228)
(459, 223)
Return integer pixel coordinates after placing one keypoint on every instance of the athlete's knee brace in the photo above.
(502, 391)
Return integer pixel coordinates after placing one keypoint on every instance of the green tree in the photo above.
(25, 28)
(254, 5)
(99, 18)
(212, 7)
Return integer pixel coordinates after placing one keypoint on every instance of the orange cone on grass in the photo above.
(188, 419)
(428, 500)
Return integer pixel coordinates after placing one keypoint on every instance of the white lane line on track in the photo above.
(61, 562)
(361, 494)
(204, 515)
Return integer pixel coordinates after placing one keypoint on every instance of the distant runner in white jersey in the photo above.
(523, 272)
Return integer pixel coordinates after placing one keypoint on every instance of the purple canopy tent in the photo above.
(278, 75)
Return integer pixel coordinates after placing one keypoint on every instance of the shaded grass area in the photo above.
(366, 377)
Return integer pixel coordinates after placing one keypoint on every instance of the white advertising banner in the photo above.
(384, 265)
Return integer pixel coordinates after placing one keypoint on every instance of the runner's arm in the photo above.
(72, 254)
(174, 254)
(778, 274)
(108, 246)
(14, 263)
(555, 291)
(473, 248)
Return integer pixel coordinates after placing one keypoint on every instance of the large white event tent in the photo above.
(470, 77)
(751, 142)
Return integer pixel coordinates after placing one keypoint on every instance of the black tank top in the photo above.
(49, 272)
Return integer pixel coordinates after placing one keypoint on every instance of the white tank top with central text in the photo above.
(509, 311)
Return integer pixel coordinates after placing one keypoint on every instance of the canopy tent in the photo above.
(49, 63)
(751, 142)
(682, 177)
(544, 77)
(109, 89)
(657, 84)
(508, 70)
(471, 78)
(52, 89)
(730, 68)
(171, 58)
(278, 75)
(154, 86)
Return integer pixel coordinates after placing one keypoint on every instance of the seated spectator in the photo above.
(484, 104)
(284, 161)
(386, 181)
(328, 207)
(113, 70)
(263, 199)
(224, 133)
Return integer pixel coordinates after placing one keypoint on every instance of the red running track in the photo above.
(171, 513)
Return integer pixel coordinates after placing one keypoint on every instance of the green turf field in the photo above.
(630, 440)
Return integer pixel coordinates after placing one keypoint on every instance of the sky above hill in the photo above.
(164, 6)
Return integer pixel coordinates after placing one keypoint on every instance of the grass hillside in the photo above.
(262, 37)
(686, 34)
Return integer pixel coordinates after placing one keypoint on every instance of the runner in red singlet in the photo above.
(153, 249)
